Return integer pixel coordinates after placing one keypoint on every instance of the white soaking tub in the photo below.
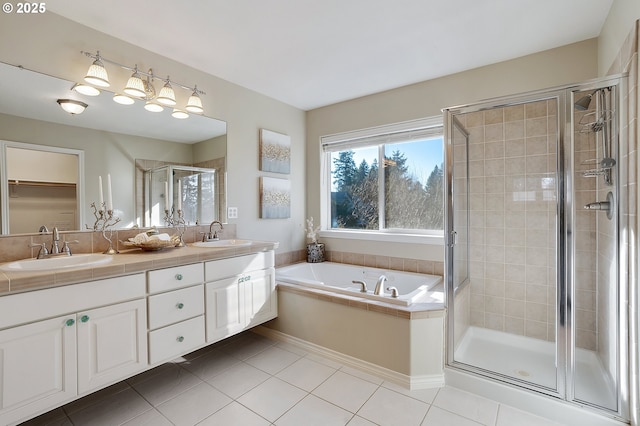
(339, 277)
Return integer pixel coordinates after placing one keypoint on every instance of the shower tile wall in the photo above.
(586, 238)
(627, 61)
(512, 154)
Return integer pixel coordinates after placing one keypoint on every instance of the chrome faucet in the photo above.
(55, 249)
(42, 229)
(212, 235)
(379, 291)
(44, 253)
(362, 284)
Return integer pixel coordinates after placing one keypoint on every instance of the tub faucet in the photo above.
(362, 284)
(380, 286)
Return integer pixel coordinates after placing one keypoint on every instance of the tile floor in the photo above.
(251, 380)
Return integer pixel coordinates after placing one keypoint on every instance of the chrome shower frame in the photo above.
(627, 336)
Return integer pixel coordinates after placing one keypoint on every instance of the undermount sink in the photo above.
(58, 262)
(222, 243)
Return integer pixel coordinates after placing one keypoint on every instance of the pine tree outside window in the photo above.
(388, 179)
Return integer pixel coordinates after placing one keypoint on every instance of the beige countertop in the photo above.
(124, 263)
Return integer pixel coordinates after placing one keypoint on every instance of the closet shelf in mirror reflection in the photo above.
(139, 86)
(17, 182)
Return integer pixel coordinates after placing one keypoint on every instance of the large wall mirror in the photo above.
(112, 139)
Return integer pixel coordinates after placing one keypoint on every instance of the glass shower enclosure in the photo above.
(534, 258)
(192, 189)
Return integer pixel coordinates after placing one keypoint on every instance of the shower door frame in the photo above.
(564, 172)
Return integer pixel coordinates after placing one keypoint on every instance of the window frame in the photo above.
(431, 126)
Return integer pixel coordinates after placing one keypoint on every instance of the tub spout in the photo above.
(379, 291)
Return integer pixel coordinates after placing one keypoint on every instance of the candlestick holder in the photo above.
(177, 222)
(105, 220)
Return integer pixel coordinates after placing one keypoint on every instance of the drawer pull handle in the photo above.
(180, 339)
(70, 322)
(179, 277)
(84, 318)
(180, 305)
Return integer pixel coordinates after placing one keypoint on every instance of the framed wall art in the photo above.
(275, 152)
(275, 198)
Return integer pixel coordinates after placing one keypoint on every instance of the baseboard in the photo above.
(409, 382)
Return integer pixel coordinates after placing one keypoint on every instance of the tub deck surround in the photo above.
(431, 307)
(404, 344)
(125, 263)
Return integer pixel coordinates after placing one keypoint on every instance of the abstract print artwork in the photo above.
(275, 152)
(275, 198)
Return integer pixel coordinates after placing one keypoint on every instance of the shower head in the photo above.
(582, 104)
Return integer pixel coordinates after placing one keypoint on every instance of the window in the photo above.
(388, 179)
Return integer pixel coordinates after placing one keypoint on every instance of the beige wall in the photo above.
(568, 64)
(615, 31)
(52, 45)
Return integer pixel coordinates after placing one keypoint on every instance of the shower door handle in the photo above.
(453, 238)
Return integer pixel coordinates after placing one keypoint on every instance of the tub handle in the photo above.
(363, 285)
(394, 292)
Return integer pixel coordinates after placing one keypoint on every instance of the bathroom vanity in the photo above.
(67, 333)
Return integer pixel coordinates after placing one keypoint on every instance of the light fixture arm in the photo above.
(149, 74)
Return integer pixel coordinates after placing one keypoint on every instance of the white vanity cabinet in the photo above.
(240, 293)
(111, 344)
(38, 364)
(62, 342)
(176, 311)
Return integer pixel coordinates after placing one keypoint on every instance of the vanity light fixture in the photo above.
(153, 107)
(167, 96)
(140, 86)
(71, 106)
(85, 89)
(195, 103)
(179, 114)
(135, 85)
(123, 99)
(97, 73)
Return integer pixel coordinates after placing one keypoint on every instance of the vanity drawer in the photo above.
(175, 340)
(176, 277)
(174, 306)
(224, 268)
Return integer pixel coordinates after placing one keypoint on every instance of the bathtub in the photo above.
(338, 277)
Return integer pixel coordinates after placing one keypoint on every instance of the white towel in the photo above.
(140, 238)
(161, 237)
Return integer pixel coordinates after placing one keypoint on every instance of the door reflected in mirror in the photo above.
(43, 187)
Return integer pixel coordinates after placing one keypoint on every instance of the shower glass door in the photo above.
(504, 182)
(533, 256)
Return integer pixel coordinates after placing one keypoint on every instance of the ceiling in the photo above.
(310, 53)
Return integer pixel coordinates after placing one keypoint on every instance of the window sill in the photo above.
(436, 240)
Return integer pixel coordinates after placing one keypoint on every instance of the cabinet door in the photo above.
(224, 308)
(112, 344)
(261, 303)
(37, 367)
